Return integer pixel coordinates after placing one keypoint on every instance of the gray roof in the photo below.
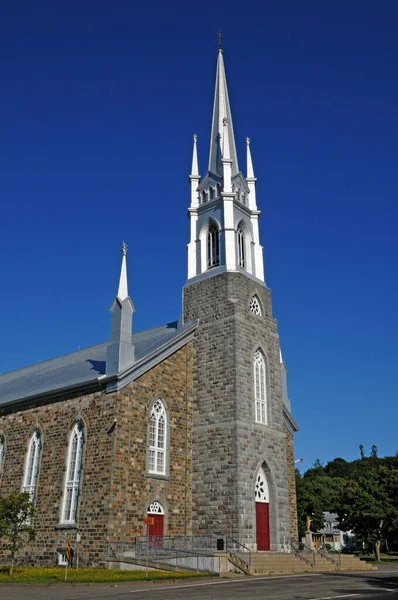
(83, 367)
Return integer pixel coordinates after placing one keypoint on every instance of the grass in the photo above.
(85, 575)
(384, 558)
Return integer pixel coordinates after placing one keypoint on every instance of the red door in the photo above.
(262, 526)
(156, 530)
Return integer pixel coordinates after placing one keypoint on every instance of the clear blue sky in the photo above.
(98, 104)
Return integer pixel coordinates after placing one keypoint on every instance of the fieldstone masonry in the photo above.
(228, 445)
(116, 486)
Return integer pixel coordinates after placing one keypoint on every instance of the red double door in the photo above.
(262, 526)
(157, 528)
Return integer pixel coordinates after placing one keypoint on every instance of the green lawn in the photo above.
(84, 575)
(384, 558)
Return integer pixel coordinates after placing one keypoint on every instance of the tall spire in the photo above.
(123, 291)
(221, 111)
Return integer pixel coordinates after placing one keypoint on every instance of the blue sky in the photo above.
(98, 105)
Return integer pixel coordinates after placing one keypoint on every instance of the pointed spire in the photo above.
(249, 163)
(195, 167)
(123, 291)
(221, 111)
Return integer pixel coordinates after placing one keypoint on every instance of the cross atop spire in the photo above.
(221, 111)
(219, 40)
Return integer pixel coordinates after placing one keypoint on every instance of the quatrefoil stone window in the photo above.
(255, 307)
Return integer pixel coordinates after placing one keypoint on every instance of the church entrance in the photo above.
(262, 512)
(156, 531)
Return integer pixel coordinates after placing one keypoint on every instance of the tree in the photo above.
(361, 451)
(315, 494)
(368, 506)
(16, 529)
(373, 451)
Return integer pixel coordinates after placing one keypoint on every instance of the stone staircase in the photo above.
(269, 563)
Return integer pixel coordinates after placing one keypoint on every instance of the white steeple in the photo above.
(223, 211)
(221, 111)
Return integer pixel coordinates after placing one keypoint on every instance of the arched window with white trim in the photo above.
(73, 474)
(158, 438)
(2, 451)
(241, 247)
(32, 465)
(260, 387)
(213, 246)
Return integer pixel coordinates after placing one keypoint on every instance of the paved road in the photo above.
(334, 586)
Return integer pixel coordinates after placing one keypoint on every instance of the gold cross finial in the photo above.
(219, 39)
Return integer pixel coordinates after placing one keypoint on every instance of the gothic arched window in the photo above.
(241, 247)
(211, 193)
(73, 474)
(203, 197)
(260, 387)
(157, 438)
(32, 465)
(255, 306)
(244, 198)
(213, 246)
(261, 491)
(238, 195)
(218, 188)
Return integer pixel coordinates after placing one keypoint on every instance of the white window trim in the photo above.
(158, 411)
(32, 465)
(2, 451)
(260, 387)
(73, 479)
(241, 248)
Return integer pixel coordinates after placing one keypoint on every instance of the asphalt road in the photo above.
(358, 586)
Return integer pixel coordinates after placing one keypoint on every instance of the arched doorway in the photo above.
(156, 511)
(261, 495)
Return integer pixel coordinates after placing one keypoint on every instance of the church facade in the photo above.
(189, 422)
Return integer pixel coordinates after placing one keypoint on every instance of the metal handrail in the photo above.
(322, 551)
(303, 552)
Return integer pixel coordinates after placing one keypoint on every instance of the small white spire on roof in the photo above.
(280, 356)
(249, 168)
(123, 291)
(195, 167)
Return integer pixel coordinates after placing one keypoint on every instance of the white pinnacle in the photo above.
(249, 168)
(195, 167)
(123, 291)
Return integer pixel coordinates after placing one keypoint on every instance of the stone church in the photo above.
(188, 422)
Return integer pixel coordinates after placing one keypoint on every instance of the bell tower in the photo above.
(224, 201)
(243, 466)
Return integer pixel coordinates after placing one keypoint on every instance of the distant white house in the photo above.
(331, 534)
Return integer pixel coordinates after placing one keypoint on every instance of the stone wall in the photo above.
(291, 484)
(116, 487)
(228, 445)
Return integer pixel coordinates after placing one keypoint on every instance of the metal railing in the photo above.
(303, 552)
(334, 557)
(240, 554)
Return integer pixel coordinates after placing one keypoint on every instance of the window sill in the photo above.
(70, 526)
(158, 476)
